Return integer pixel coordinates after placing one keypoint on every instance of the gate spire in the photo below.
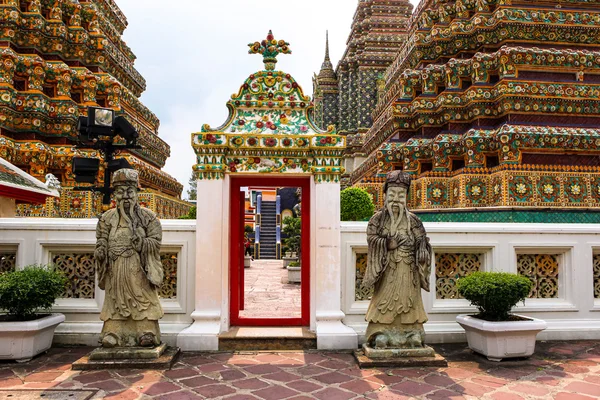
(270, 48)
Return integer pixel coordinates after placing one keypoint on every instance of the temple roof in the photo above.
(19, 185)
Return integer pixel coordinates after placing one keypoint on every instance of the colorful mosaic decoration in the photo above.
(597, 276)
(361, 266)
(449, 267)
(8, 259)
(487, 103)
(543, 271)
(168, 290)
(270, 129)
(80, 270)
(56, 59)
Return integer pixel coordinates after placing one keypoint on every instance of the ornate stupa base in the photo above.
(159, 357)
(369, 357)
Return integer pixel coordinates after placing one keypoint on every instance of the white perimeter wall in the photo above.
(34, 239)
(575, 314)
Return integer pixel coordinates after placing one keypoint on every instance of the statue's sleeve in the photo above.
(376, 252)
(422, 247)
(101, 251)
(150, 254)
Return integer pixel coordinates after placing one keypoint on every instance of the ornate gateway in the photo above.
(270, 128)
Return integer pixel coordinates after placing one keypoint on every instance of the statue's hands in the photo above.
(136, 241)
(100, 253)
(392, 242)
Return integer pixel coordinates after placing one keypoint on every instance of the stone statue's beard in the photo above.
(396, 220)
(129, 214)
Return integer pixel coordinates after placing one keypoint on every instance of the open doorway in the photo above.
(269, 250)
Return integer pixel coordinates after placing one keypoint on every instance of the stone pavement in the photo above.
(558, 370)
(267, 293)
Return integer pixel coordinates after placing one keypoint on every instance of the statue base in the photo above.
(369, 357)
(159, 357)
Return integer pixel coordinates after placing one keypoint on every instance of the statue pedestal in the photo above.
(159, 357)
(369, 357)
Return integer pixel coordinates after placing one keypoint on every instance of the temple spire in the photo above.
(327, 46)
(326, 66)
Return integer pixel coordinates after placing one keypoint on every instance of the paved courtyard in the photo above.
(558, 370)
(267, 293)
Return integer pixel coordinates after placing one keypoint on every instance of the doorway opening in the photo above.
(270, 251)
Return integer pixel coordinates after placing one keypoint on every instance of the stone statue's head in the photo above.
(125, 182)
(396, 190)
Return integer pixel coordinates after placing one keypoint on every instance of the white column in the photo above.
(211, 274)
(326, 269)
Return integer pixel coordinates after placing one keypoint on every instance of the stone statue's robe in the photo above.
(130, 278)
(396, 274)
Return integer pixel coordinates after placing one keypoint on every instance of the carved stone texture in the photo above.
(80, 270)
(168, 290)
(398, 268)
(7, 260)
(361, 267)
(129, 268)
(542, 270)
(451, 266)
(597, 276)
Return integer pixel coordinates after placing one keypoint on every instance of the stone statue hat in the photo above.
(398, 179)
(126, 176)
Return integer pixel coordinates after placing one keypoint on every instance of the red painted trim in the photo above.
(236, 267)
(22, 195)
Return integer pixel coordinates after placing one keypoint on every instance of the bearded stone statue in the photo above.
(398, 266)
(129, 268)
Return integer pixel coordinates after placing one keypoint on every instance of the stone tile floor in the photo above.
(558, 370)
(267, 293)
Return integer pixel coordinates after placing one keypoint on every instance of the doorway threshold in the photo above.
(244, 338)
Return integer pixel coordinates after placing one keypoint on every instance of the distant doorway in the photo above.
(269, 251)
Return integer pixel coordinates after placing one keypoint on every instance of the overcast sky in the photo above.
(194, 55)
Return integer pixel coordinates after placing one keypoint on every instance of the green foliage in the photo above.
(26, 292)
(494, 293)
(356, 204)
(190, 215)
(294, 264)
(192, 192)
(292, 229)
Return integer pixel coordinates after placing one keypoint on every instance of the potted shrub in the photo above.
(294, 269)
(27, 326)
(495, 332)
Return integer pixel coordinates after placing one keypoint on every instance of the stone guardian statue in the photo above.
(129, 268)
(398, 266)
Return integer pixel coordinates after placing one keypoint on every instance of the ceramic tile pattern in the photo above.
(558, 370)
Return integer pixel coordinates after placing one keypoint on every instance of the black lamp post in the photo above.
(97, 131)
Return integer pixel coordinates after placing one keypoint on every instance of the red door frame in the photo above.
(236, 267)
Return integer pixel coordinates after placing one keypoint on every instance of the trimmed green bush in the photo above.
(494, 293)
(356, 204)
(32, 290)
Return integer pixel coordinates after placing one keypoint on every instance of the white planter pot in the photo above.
(293, 274)
(498, 340)
(22, 341)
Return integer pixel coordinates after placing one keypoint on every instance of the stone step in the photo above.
(267, 338)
